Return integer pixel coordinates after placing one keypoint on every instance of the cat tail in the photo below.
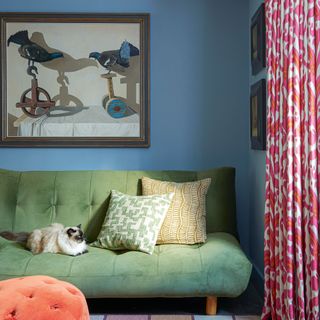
(21, 237)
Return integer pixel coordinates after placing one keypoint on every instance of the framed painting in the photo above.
(258, 41)
(258, 115)
(75, 80)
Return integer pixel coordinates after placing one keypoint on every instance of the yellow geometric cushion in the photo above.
(185, 221)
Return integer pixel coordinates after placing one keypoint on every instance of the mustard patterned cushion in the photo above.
(133, 222)
(185, 221)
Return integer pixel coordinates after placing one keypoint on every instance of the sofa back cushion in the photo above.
(34, 199)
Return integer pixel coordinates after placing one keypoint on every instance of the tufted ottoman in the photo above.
(41, 298)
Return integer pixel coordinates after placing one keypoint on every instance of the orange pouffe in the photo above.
(41, 298)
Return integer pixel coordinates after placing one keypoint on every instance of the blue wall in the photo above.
(257, 173)
(199, 92)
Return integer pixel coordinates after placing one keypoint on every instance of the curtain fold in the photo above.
(291, 250)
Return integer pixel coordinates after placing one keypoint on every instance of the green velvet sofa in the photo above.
(29, 200)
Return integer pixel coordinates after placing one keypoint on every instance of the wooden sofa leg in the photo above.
(211, 308)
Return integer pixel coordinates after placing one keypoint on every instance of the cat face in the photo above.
(76, 234)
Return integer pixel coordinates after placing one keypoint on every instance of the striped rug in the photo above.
(169, 317)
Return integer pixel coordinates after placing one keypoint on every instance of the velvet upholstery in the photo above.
(39, 298)
(36, 199)
(218, 267)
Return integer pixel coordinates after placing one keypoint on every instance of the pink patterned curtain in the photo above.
(293, 161)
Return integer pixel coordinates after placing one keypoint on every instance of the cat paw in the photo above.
(80, 253)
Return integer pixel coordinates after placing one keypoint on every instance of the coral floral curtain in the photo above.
(293, 149)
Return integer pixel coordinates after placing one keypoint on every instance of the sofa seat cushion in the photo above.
(218, 267)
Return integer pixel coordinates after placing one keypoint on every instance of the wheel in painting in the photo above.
(35, 112)
(117, 108)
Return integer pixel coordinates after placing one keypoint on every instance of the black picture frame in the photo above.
(258, 41)
(139, 21)
(258, 115)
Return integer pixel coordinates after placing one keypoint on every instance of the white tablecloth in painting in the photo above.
(80, 122)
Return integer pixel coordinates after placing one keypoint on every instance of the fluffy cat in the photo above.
(54, 239)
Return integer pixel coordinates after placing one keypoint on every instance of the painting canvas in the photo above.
(258, 115)
(75, 80)
(254, 115)
(254, 44)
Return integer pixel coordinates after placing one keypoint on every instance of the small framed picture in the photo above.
(258, 39)
(258, 115)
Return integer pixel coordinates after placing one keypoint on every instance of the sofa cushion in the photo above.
(185, 222)
(133, 222)
(73, 197)
(218, 267)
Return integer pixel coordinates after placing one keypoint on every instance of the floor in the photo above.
(170, 317)
(249, 303)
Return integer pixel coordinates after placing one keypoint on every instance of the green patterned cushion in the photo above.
(133, 222)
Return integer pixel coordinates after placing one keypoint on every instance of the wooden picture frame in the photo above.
(94, 91)
(258, 115)
(258, 41)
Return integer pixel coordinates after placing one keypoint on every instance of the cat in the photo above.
(53, 239)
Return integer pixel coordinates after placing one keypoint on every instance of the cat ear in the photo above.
(70, 231)
(79, 226)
